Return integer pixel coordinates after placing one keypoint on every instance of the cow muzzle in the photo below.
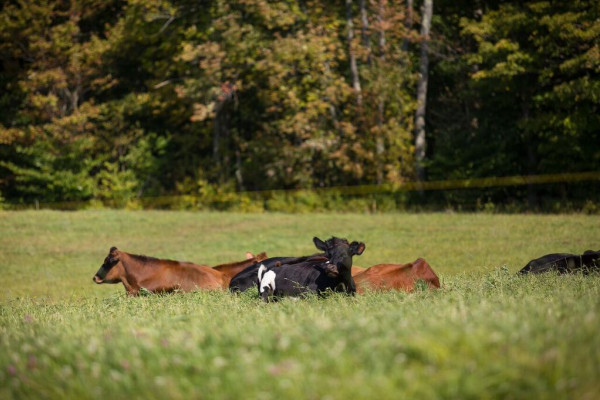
(331, 270)
(97, 279)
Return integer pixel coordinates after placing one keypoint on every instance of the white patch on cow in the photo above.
(261, 271)
(267, 281)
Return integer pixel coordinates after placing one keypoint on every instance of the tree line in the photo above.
(113, 100)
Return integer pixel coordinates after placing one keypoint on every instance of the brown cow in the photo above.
(357, 270)
(156, 275)
(396, 276)
(230, 270)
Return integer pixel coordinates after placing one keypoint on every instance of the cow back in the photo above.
(396, 276)
(563, 263)
(300, 278)
(248, 278)
(230, 270)
(162, 275)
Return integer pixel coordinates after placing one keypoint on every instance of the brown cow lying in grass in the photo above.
(162, 276)
(357, 270)
(395, 276)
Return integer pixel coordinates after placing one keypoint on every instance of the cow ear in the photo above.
(320, 244)
(357, 248)
(113, 255)
(249, 255)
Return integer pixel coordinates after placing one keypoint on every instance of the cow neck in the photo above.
(345, 276)
(347, 279)
(128, 287)
(134, 273)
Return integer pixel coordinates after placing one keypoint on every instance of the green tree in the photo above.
(524, 73)
(272, 84)
(74, 123)
(47, 141)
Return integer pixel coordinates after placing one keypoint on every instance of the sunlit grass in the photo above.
(487, 333)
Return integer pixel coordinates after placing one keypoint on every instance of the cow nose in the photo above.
(97, 279)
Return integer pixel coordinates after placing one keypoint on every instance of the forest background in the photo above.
(261, 105)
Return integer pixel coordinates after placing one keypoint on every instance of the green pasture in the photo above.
(486, 334)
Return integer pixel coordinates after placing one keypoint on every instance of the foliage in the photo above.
(113, 101)
(520, 93)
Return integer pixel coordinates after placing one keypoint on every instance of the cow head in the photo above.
(111, 270)
(261, 257)
(591, 260)
(257, 258)
(340, 252)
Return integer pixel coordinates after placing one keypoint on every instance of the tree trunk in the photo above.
(382, 4)
(420, 142)
(238, 148)
(408, 21)
(532, 200)
(353, 65)
(366, 40)
(332, 106)
(379, 142)
(216, 136)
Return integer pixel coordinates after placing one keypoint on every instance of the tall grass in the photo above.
(487, 333)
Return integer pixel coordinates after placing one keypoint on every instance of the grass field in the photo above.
(487, 333)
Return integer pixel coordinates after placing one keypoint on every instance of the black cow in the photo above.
(312, 275)
(248, 278)
(564, 263)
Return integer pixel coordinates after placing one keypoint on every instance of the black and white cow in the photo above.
(313, 276)
(248, 278)
(564, 263)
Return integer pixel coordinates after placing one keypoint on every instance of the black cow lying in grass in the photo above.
(564, 263)
(313, 276)
(248, 278)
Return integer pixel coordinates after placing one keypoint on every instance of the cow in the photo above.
(396, 276)
(230, 270)
(157, 275)
(248, 277)
(312, 276)
(564, 263)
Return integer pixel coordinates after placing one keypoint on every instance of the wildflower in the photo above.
(31, 362)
